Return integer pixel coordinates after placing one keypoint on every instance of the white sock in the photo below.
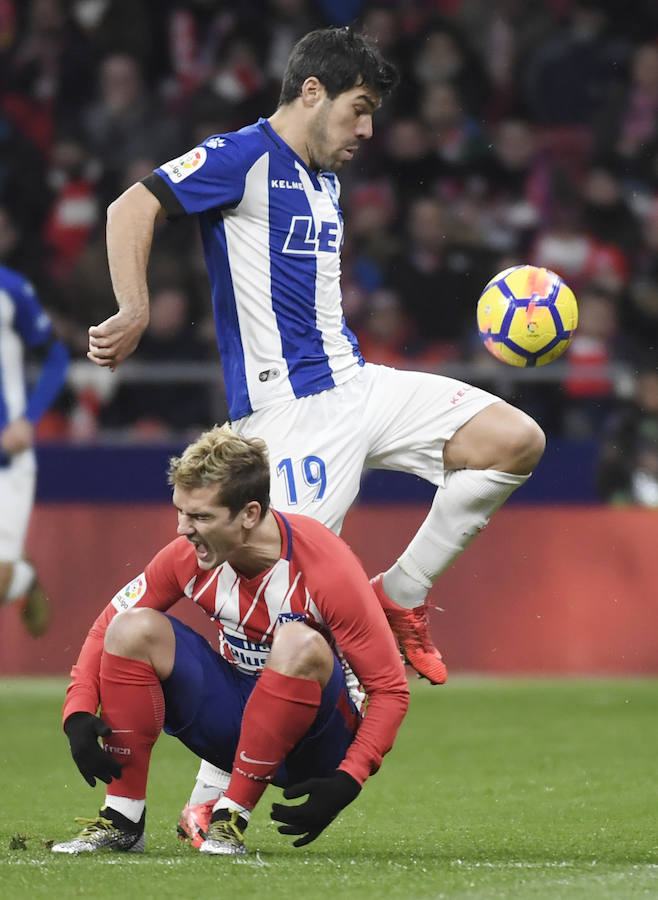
(131, 809)
(225, 803)
(211, 783)
(21, 580)
(460, 510)
(202, 792)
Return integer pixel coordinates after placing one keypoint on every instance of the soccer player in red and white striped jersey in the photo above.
(295, 613)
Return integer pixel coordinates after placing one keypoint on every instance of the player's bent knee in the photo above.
(499, 437)
(518, 445)
(138, 634)
(526, 444)
(301, 652)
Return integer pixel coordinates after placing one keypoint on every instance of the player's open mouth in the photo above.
(201, 550)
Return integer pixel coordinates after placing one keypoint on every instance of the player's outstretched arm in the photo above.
(130, 222)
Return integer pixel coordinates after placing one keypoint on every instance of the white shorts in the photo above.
(17, 484)
(383, 418)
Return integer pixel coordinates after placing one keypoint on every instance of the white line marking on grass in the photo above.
(513, 864)
(550, 864)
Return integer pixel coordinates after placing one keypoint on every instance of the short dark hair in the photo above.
(339, 58)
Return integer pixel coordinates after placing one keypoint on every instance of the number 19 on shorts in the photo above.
(311, 470)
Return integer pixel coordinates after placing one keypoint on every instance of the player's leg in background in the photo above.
(18, 578)
(477, 450)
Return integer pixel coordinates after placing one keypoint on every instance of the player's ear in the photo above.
(250, 514)
(312, 91)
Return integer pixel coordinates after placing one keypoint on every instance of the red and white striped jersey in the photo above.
(317, 579)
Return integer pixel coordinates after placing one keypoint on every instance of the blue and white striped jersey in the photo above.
(272, 232)
(24, 324)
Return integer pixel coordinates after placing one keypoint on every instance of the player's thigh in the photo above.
(411, 415)
(17, 482)
(317, 450)
(204, 698)
(324, 746)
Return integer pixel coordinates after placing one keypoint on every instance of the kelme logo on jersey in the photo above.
(286, 185)
(178, 169)
(128, 596)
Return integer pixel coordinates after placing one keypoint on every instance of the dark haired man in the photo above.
(340, 59)
(267, 201)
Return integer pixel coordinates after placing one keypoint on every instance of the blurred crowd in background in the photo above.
(523, 131)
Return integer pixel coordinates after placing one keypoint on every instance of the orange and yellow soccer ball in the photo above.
(527, 316)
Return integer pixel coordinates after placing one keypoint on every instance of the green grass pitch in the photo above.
(495, 788)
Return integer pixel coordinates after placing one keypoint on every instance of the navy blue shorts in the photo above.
(205, 697)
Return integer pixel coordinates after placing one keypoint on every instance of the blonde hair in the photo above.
(238, 466)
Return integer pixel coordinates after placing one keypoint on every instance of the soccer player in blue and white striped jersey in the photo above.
(267, 200)
(24, 327)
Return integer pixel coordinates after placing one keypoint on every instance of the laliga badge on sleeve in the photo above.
(178, 169)
(128, 596)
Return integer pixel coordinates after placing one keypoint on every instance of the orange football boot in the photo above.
(194, 822)
(411, 627)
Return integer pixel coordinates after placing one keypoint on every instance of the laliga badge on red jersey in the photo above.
(128, 596)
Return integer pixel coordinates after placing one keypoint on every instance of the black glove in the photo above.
(326, 798)
(83, 730)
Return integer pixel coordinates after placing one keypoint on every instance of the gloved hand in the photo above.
(326, 797)
(83, 730)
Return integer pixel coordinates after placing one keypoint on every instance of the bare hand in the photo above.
(17, 436)
(115, 339)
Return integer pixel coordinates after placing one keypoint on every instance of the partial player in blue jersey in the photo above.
(24, 328)
(267, 201)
